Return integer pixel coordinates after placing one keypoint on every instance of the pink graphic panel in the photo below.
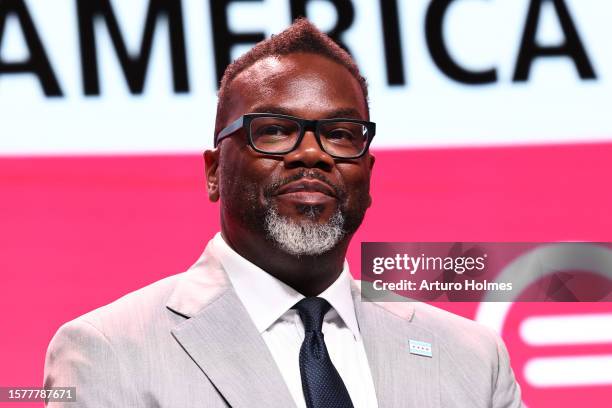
(79, 232)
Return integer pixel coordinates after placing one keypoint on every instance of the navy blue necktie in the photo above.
(321, 383)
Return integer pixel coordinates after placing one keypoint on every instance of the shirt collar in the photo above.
(338, 294)
(267, 298)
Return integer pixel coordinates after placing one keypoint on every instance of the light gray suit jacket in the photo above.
(187, 341)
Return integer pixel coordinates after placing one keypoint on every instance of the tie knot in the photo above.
(311, 311)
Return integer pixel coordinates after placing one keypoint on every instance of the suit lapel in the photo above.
(233, 355)
(401, 379)
(222, 340)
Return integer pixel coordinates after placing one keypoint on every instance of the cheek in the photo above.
(230, 174)
(357, 185)
(243, 177)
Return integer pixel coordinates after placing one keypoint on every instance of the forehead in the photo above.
(301, 84)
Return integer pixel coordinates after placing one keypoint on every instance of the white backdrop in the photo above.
(554, 105)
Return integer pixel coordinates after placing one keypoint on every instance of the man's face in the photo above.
(305, 189)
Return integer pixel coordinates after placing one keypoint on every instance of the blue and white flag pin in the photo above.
(420, 348)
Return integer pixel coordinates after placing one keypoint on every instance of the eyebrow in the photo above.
(349, 113)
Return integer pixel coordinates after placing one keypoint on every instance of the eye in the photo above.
(339, 134)
(273, 130)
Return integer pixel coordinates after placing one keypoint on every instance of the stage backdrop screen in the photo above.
(493, 124)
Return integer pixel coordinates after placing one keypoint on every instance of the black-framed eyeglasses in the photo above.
(271, 133)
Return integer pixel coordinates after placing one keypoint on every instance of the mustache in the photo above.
(271, 189)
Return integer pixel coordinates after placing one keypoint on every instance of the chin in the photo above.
(315, 214)
(312, 235)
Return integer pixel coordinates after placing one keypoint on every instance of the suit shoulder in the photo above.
(135, 309)
(452, 331)
(447, 323)
(444, 325)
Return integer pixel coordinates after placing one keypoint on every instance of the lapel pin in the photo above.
(420, 348)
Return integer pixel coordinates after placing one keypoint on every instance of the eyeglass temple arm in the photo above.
(234, 126)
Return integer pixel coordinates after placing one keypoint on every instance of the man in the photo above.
(269, 315)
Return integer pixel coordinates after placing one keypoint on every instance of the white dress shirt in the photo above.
(269, 301)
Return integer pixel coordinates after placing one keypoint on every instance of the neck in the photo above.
(308, 274)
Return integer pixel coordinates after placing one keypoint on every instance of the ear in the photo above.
(371, 159)
(211, 164)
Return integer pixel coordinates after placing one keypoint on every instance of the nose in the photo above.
(309, 154)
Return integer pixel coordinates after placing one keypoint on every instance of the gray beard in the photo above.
(308, 238)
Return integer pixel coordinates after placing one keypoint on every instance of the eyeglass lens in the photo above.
(280, 135)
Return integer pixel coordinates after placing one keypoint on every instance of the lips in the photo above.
(307, 186)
